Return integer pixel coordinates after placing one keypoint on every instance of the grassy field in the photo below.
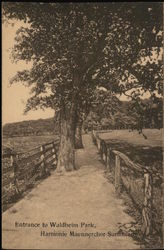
(25, 143)
(154, 137)
(146, 152)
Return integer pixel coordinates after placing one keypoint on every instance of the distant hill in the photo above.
(123, 116)
(31, 127)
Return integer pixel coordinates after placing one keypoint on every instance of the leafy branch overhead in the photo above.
(104, 44)
(76, 49)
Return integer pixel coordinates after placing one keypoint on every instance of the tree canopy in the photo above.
(76, 47)
(113, 42)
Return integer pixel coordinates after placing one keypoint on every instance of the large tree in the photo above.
(75, 47)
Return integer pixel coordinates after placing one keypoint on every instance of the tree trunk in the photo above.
(66, 156)
(78, 135)
(68, 122)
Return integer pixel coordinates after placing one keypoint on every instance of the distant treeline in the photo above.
(31, 127)
(126, 117)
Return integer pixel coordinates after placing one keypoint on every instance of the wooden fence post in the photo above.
(93, 136)
(98, 144)
(26, 180)
(104, 152)
(108, 159)
(42, 158)
(54, 154)
(15, 168)
(12, 167)
(101, 149)
(147, 205)
(117, 175)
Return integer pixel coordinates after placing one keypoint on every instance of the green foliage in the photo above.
(108, 112)
(76, 47)
(31, 127)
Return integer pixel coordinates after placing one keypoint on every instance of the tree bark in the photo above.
(78, 135)
(68, 124)
(66, 156)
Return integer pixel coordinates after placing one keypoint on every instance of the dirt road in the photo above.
(82, 203)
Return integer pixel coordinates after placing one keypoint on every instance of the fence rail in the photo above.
(21, 170)
(139, 182)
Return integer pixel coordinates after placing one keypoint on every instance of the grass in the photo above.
(22, 144)
(147, 152)
(154, 137)
(25, 143)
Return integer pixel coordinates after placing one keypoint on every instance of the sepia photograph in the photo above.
(82, 125)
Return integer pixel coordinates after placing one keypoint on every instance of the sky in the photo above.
(14, 97)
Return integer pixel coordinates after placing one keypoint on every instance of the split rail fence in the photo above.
(21, 171)
(141, 183)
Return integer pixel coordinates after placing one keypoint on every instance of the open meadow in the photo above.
(147, 152)
(154, 137)
(25, 143)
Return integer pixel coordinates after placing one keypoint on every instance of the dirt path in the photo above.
(76, 197)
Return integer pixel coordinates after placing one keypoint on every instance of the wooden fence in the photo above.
(139, 182)
(20, 171)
